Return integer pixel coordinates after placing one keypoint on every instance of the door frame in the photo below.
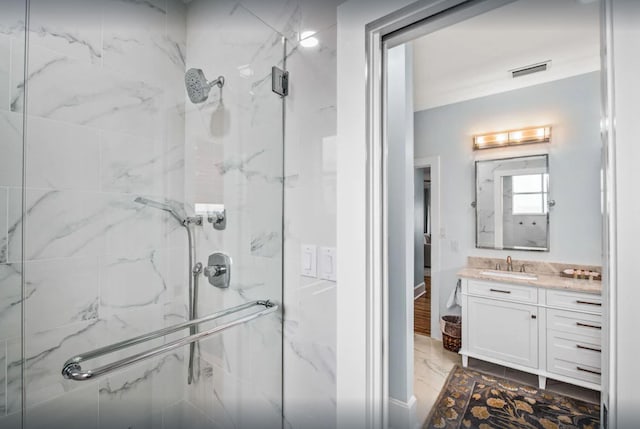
(433, 163)
(399, 27)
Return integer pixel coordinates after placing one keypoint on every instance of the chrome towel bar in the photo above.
(73, 371)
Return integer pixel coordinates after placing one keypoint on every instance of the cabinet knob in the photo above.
(533, 316)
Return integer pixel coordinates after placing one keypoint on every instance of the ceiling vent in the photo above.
(533, 68)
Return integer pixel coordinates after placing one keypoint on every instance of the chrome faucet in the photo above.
(509, 264)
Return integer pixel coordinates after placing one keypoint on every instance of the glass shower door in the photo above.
(127, 177)
(234, 160)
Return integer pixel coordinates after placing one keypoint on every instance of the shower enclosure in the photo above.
(111, 316)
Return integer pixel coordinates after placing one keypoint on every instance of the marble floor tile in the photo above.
(432, 364)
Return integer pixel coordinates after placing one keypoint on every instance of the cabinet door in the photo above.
(502, 330)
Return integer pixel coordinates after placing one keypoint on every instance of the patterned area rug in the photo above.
(471, 399)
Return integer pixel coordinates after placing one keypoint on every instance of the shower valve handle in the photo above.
(215, 270)
(218, 270)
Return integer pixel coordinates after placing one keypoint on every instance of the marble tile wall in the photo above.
(310, 218)
(105, 113)
(108, 122)
(239, 163)
(310, 207)
(12, 18)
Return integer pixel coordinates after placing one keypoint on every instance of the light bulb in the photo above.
(307, 40)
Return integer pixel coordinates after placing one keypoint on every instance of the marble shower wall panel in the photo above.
(137, 397)
(68, 285)
(12, 14)
(70, 27)
(138, 165)
(10, 295)
(310, 376)
(44, 353)
(106, 124)
(59, 224)
(235, 143)
(3, 378)
(310, 215)
(55, 413)
(62, 156)
(5, 66)
(229, 401)
(72, 91)
(4, 225)
(11, 149)
(11, 40)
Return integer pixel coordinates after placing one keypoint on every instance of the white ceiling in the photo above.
(473, 58)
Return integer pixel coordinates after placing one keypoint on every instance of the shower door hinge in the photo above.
(279, 81)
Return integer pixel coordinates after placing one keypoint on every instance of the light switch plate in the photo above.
(309, 260)
(327, 263)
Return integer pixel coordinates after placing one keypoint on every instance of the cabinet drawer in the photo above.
(574, 301)
(573, 356)
(576, 348)
(510, 292)
(589, 325)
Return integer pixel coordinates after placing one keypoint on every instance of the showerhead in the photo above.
(161, 206)
(197, 86)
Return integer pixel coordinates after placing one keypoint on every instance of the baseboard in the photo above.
(419, 290)
(402, 415)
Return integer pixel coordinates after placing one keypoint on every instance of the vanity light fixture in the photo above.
(512, 138)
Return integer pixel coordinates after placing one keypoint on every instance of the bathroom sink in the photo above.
(510, 275)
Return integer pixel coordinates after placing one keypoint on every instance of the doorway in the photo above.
(454, 145)
(422, 255)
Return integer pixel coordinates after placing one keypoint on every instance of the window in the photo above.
(530, 193)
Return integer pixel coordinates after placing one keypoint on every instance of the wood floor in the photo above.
(422, 311)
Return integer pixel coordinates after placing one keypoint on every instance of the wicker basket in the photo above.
(451, 327)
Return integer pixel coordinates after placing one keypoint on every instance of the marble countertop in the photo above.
(544, 281)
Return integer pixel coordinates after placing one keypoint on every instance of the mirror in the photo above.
(512, 203)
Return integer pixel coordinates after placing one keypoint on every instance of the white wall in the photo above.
(351, 383)
(352, 309)
(400, 221)
(572, 107)
(624, 313)
(310, 218)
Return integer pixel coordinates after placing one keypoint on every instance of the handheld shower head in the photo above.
(161, 206)
(197, 86)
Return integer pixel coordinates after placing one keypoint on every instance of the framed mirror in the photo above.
(512, 203)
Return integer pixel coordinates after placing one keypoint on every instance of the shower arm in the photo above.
(219, 82)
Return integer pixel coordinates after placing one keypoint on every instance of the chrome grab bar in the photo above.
(73, 371)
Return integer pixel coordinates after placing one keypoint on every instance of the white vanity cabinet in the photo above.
(548, 332)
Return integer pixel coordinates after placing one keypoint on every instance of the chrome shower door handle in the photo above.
(218, 270)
